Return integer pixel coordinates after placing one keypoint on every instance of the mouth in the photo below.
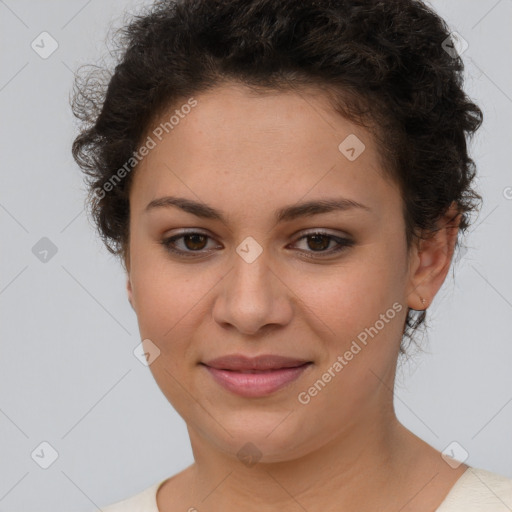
(241, 363)
(257, 377)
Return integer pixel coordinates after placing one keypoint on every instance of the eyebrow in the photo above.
(286, 214)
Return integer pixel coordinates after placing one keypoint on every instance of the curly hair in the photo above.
(382, 64)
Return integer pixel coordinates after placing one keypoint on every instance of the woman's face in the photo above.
(252, 284)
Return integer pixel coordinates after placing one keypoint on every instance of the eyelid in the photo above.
(167, 242)
(323, 231)
(343, 242)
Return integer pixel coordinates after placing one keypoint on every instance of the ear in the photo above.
(126, 261)
(130, 292)
(430, 260)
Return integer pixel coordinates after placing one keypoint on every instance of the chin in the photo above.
(269, 437)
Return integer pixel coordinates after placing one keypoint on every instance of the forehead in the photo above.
(239, 147)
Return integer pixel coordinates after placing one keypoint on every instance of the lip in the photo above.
(239, 362)
(255, 377)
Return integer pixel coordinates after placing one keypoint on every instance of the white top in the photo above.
(476, 490)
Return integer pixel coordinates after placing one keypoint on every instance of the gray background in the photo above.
(68, 375)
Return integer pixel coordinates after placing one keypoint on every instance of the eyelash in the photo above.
(343, 244)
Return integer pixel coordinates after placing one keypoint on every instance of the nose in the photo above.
(253, 298)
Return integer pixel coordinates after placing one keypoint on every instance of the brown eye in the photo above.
(190, 243)
(195, 242)
(319, 242)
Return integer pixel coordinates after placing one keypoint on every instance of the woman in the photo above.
(285, 184)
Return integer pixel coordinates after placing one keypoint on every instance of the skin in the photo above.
(248, 155)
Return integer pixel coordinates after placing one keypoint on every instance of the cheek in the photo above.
(358, 313)
(168, 308)
(170, 300)
(354, 294)
(360, 316)
(164, 301)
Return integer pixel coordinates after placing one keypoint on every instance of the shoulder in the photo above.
(143, 501)
(479, 490)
